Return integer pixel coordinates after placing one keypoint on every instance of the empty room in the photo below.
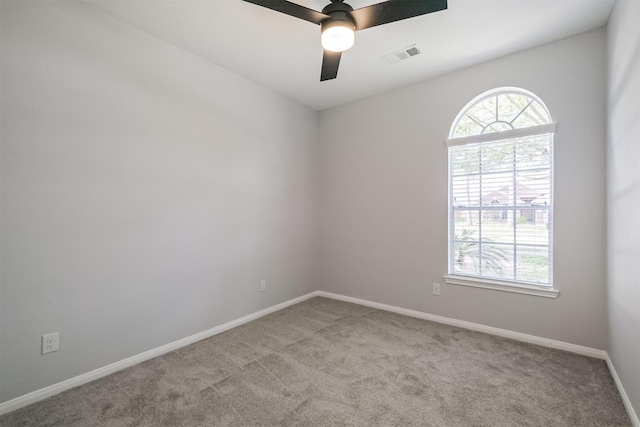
(320, 213)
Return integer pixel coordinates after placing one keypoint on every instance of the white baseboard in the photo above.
(573, 348)
(623, 394)
(54, 389)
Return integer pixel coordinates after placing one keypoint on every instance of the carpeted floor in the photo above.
(330, 363)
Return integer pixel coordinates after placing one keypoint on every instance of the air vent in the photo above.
(401, 54)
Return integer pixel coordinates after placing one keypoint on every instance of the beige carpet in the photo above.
(325, 362)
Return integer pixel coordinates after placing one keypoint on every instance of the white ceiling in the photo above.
(284, 53)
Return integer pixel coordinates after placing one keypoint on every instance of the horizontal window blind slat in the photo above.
(501, 208)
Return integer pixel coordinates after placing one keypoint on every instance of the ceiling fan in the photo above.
(338, 22)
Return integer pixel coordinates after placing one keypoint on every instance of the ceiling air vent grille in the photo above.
(401, 54)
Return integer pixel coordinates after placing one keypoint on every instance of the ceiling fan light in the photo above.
(338, 36)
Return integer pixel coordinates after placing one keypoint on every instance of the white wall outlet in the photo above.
(436, 289)
(50, 343)
(263, 285)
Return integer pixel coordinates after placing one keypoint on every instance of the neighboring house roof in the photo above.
(502, 196)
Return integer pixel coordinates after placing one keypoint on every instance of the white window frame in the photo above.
(547, 291)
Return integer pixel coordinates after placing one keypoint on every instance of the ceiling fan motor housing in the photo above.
(339, 14)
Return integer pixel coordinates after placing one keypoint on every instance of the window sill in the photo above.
(496, 285)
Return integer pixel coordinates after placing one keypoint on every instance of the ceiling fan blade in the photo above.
(292, 9)
(330, 63)
(394, 10)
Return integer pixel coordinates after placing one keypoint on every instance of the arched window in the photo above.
(501, 193)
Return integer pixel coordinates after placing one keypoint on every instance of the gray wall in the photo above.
(145, 193)
(623, 193)
(384, 193)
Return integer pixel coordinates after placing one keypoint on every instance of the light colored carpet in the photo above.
(330, 363)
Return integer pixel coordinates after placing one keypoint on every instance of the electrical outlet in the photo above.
(50, 343)
(436, 289)
(263, 285)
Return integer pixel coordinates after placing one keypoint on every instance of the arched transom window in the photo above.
(501, 193)
(498, 112)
